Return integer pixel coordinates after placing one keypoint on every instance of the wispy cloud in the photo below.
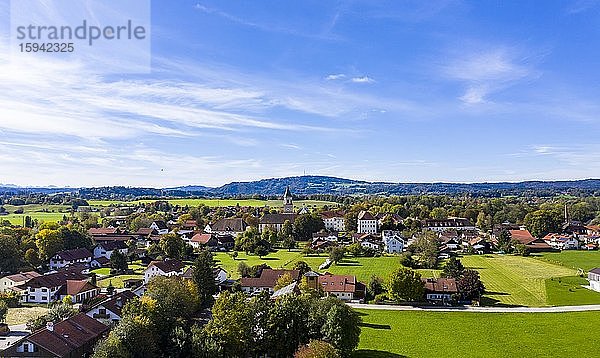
(334, 77)
(363, 79)
(487, 71)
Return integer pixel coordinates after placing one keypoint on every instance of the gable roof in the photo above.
(332, 214)
(337, 283)
(115, 303)
(56, 279)
(229, 224)
(167, 265)
(103, 231)
(268, 278)
(113, 245)
(160, 224)
(77, 286)
(446, 285)
(365, 215)
(595, 270)
(74, 254)
(202, 238)
(522, 236)
(68, 335)
(22, 276)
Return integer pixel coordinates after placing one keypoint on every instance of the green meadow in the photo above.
(390, 334)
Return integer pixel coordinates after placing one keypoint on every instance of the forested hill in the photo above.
(313, 185)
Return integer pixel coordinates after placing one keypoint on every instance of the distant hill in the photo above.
(315, 185)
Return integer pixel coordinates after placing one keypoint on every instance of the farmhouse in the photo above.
(213, 241)
(267, 280)
(344, 287)
(230, 226)
(367, 224)
(594, 279)
(111, 310)
(106, 249)
(163, 268)
(533, 244)
(10, 283)
(562, 241)
(71, 257)
(160, 227)
(73, 337)
(54, 286)
(440, 290)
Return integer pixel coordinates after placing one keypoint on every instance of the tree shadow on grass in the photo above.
(370, 353)
(497, 293)
(270, 258)
(375, 326)
(491, 302)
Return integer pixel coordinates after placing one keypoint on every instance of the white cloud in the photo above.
(486, 71)
(334, 77)
(363, 79)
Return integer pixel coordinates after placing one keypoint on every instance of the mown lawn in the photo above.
(117, 281)
(585, 260)
(515, 280)
(217, 202)
(392, 334)
(568, 291)
(18, 219)
(21, 315)
(362, 267)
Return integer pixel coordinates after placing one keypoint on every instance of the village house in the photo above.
(267, 280)
(533, 244)
(369, 241)
(213, 242)
(440, 290)
(229, 226)
(55, 286)
(160, 227)
(275, 221)
(344, 287)
(74, 337)
(562, 241)
(367, 224)
(393, 242)
(167, 267)
(451, 223)
(334, 220)
(106, 249)
(10, 283)
(111, 310)
(70, 258)
(594, 279)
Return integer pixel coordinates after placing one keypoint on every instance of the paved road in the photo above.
(481, 309)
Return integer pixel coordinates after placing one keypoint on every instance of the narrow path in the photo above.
(554, 309)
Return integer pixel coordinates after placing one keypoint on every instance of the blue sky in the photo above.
(414, 91)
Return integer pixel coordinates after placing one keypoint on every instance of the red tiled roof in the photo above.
(268, 278)
(74, 254)
(337, 283)
(23, 276)
(167, 265)
(102, 231)
(332, 214)
(201, 238)
(522, 236)
(77, 286)
(69, 335)
(56, 279)
(365, 215)
(447, 285)
(115, 303)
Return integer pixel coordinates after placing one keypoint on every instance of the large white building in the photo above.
(72, 257)
(367, 224)
(451, 223)
(163, 268)
(333, 220)
(393, 242)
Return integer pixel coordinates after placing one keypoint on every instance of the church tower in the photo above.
(288, 205)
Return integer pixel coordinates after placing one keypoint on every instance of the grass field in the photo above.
(567, 291)
(389, 334)
(515, 280)
(21, 315)
(362, 267)
(117, 281)
(217, 202)
(17, 219)
(576, 259)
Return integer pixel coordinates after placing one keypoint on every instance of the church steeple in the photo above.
(288, 205)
